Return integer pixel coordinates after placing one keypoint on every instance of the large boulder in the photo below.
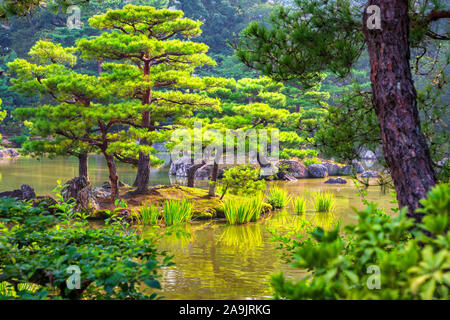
(25, 192)
(338, 180)
(180, 167)
(334, 169)
(101, 193)
(317, 171)
(79, 188)
(370, 174)
(289, 169)
(205, 172)
(358, 167)
(8, 153)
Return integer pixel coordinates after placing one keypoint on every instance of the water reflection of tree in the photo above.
(243, 237)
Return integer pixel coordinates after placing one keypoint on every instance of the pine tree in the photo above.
(83, 116)
(149, 62)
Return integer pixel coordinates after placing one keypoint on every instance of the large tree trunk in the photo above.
(213, 183)
(113, 177)
(143, 173)
(83, 159)
(394, 99)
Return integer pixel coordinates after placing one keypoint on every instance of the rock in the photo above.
(346, 170)
(205, 172)
(107, 186)
(358, 166)
(179, 167)
(79, 188)
(26, 192)
(333, 168)
(101, 193)
(368, 155)
(8, 153)
(338, 180)
(291, 170)
(370, 174)
(317, 171)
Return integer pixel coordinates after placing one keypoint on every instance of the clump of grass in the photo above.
(300, 205)
(240, 212)
(278, 198)
(324, 201)
(150, 214)
(176, 212)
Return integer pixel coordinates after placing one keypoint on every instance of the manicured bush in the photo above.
(242, 180)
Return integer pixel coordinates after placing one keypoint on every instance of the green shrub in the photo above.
(323, 201)
(150, 214)
(300, 205)
(176, 212)
(278, 198)
(302, 153)
(37, 249)
(378, 258)
(310, 161)
(243, 211)
(242, 180)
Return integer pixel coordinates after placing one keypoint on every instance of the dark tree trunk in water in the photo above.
(83, 159)
(191, 174)
(113, 178)
(394, 98)
(214, 174)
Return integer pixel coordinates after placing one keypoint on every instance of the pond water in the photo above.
(217, 261)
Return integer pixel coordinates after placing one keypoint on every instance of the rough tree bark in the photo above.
(113, 177)
(83, 159)
(143, 174)
(213, 182)
(394, 98)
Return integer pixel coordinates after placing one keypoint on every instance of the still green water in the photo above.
(218, 261)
